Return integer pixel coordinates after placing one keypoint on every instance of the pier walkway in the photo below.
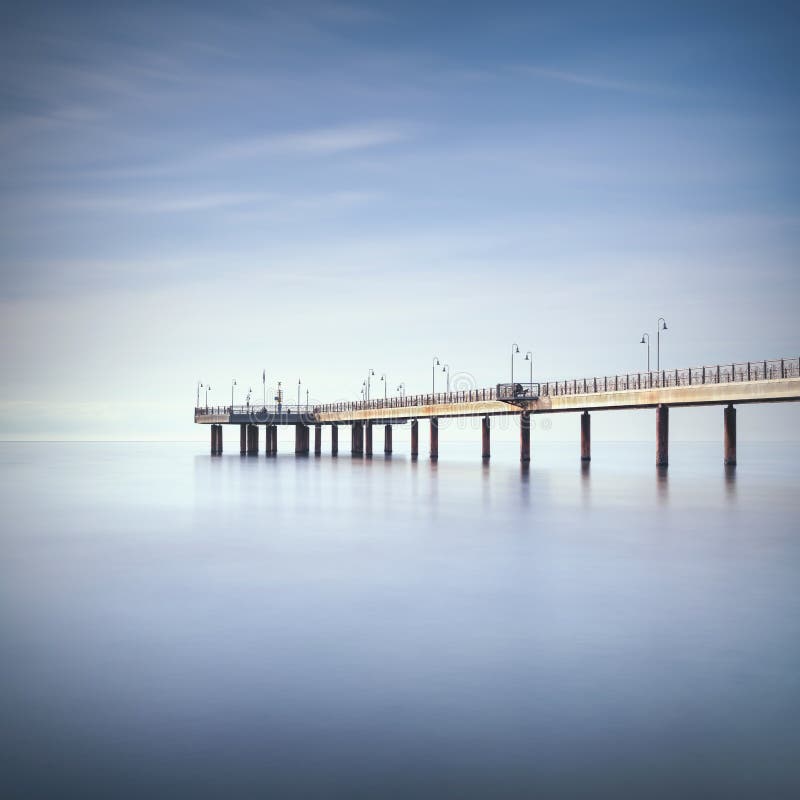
(769, 381)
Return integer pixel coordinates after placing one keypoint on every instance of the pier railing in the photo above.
(257, 409)
(655, 379)
(670, 378)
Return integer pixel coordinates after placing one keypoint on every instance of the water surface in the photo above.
(175, 624)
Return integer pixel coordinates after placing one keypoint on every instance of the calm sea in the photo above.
(175, 625)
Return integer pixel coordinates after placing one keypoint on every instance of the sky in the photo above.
(199, 192)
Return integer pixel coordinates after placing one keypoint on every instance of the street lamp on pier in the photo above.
(529, 357)
(402, 389)
(646, 340)
(233, 383)
(298, 395)
(514, 351)
(446, 368)
(370, 373)
(385, 385)
(199, 387)
(208, 389)
(661, 325)
(435, 363)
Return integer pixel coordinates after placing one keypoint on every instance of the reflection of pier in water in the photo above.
(724, 384)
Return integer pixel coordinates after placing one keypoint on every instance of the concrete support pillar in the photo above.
(662, 436)
(387, 439)
(730, 436)
(525, 436)
(334, 440)
(434, 438)
(358, 439)
(414, 438)
(486, 439)
(368, 437)
(301, 439)
(216, 440)
(252, 440)
(317, 439)
(269, 444)
(586, 437)
(242, 439)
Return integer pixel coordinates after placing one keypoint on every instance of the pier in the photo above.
(727, 385)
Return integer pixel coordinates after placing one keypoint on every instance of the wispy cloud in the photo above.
(592, 81)
(147, 203)
(243, 204)
(317, 142)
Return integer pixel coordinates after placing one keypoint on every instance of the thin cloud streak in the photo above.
(316, 142)
(273, 203)
(591, 81)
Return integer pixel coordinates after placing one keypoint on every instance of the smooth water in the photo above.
(173, 624)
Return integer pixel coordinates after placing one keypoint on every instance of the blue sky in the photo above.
(202, 191)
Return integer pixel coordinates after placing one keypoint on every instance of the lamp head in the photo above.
(643, 341)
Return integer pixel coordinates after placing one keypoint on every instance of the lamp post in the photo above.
(249, 393)
(298, 395)
(363, 391)
(435, 363)
(370, 373)
(402, 389)
(446, 368)
(306, 399)
(208, 388)
(514, 351)
(199, 387)
(233, 383)
(264, 384)
(661, 325)
(279, 398)
(646, 340)
(529, 357)
(385, 385)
